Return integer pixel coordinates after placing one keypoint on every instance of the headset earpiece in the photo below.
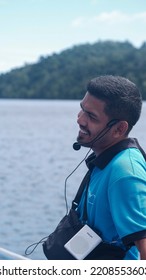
(112, 122)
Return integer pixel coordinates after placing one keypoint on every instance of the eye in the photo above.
(92, 117)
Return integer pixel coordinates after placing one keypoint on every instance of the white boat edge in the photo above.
(9, 255)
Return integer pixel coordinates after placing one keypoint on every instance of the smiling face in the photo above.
(92, 119)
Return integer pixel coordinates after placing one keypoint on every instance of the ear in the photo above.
(120, 129)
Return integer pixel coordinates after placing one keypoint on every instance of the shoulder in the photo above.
(127, 174)
(129, 162)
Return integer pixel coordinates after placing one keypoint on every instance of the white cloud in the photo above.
(78, 22)
(113, 17)
(115, 25)
(117, 16)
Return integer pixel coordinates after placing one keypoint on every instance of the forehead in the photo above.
(93, 104)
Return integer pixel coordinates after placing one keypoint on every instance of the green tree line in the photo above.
(65, 75)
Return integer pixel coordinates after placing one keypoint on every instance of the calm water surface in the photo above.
(36, 156)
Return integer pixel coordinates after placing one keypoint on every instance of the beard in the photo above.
(81, 140)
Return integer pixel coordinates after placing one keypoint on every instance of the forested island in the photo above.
(65, 75)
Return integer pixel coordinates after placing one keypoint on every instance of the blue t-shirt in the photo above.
(116, 200)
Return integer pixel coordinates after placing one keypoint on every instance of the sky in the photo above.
(30, 29)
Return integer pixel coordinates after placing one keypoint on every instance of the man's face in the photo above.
(92, 120)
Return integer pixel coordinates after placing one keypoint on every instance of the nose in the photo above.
(81, 119)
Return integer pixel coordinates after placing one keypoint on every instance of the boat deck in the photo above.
(9, 255)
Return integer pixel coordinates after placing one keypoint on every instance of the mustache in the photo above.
(84, 128)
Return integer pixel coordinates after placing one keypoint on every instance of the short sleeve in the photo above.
(127, 199)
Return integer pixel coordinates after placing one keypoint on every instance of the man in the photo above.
(116, 199)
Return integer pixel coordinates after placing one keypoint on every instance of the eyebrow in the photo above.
(88, 112)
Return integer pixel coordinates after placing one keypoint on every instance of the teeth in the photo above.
(83, 131)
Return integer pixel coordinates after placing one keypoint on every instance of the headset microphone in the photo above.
(77, 145)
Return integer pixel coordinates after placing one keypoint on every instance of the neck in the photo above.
(100, 149)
